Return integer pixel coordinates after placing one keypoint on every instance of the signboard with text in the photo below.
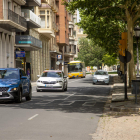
(20, 53)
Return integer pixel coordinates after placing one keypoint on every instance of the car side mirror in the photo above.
(23, 77)
(38, 76)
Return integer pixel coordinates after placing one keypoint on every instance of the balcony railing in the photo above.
(28, 14)
(33, 2)
(28, 40)
(55, 48)
(10, 15)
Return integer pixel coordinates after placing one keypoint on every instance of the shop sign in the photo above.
(20, 53)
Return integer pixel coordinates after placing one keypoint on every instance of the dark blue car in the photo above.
(14, 84)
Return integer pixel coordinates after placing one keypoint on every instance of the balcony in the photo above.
(47, 31)
(55, 49)
(71, 37)
(20, 2)
(44, 1)
(69, 51)
(71, 42)
(13, 22)
(33, 2)
(27, 42)
(33, 21)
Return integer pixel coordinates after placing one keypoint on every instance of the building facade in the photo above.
(33, 33)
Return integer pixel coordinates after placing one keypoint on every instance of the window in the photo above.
(42, 21)
(42, 12)
(47, 21)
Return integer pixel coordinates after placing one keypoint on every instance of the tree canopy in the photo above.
(90, 53)
(105, 20)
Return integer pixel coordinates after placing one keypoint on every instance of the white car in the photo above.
(52, 80)
(101, 76)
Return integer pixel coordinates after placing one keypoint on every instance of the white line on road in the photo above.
(32, 117)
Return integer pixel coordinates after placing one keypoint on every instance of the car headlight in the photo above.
(14, 89)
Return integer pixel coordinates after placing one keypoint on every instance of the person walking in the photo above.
(28, 73)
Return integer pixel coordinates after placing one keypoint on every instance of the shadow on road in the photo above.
(76, 100)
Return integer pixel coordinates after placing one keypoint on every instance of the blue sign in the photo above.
(20, 53)
(59, 57)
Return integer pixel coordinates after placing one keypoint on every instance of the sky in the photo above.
(78, 17)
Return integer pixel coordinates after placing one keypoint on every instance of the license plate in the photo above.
(100, 80)
(49, 85)
(0, 93)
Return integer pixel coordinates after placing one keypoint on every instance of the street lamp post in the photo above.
(137, 34)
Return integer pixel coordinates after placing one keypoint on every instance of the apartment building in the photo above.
(33, 33)
(11, 22)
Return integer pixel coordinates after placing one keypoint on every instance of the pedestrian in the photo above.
(52, 68)
(28, 73)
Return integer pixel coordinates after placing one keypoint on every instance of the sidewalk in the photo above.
(116, 103)
(121, 119)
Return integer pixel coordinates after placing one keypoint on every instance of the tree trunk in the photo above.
(132, 75)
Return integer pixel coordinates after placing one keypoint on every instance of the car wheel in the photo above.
(107, 83)
(19, 97)
(66, 88)
(30, 95)
(93, 83)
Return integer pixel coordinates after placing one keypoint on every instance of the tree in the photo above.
(90, 53)
(109, 60)
(120, 12)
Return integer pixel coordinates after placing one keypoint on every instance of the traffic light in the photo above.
(122, 47)
(123, 44)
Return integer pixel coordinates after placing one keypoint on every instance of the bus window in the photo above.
(75, 67)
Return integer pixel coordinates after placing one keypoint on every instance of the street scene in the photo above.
(56, 115)
(69, 69)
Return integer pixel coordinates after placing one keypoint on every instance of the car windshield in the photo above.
(101, 73)
(9, 74)
(51, 74)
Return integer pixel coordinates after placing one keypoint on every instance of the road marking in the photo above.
(67, 103)
(32, 117)
(89, 103)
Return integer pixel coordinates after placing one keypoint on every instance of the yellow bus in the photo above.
(76, 69)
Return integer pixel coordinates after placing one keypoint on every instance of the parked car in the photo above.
(52, 80)
(101, 76)
(14, 84)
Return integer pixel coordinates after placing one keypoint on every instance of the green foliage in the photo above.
(90, 53)
(109, 60)
(105, 20)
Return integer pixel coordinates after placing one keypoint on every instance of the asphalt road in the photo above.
(70, 115)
